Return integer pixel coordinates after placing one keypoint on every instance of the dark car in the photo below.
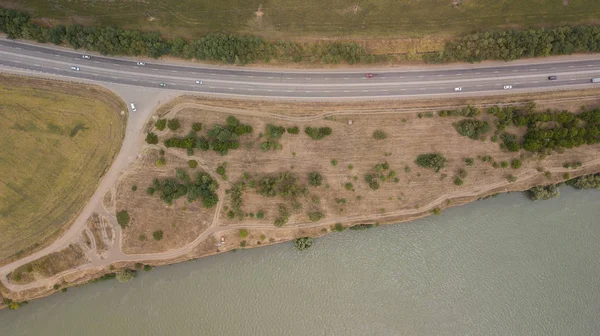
(552, 77)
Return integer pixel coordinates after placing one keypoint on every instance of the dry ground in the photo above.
(57, 140)
(416, 193)
(49, 265)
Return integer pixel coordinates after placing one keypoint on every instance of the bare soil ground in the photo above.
(102, 233)
(50, 265)
(415, 193)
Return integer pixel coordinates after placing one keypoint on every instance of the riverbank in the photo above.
(315, 206)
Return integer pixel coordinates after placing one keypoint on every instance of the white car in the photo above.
(76, 68)
(85, 56)
(507, 87)
(133, 107)
(198, 82)
(457, 89)
(141, 63)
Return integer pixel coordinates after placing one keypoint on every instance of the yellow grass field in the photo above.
(56, 141)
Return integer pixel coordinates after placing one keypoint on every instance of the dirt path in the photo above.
(132, 147)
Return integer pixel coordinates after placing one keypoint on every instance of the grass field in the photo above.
(56, 140)
(49, 265)
(316, 18)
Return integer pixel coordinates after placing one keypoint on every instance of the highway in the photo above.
(302, 84)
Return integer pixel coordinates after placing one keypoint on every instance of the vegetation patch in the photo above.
(49, 265)
(203, 187)
(303, 243)
(317, 133)
(434, 161)
(543, 192)
(591, 181)
(123, 218)
(472, 128)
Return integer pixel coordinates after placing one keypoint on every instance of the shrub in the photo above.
(379, 135)
(510, 141)
(150, 190)
(339, 227)
(160, 162)
(504, 164)
(472, 128)
(293, 130)
(543, 192)
(243, 233)
(142, 237)
(125, 275)
(511, 178)
(458, 181)
(317, 133)
(157, 235)
(315, 216)
(462, 173)
(134, 188)
(334, 162)
(516, 163)
(173, 124)
(434, 161)
(123, 218)
(151, 138)
(350, 167)
(348, 186)
(243, 243)
(197, 127)
(315, 179)
(437, 211)
(303, 243)
(274, 132)
(591, 181)
(221, 170)
(260, 214)
(469, 161)
(148, 268)
(361, 226)
(192, 164)
(160, 124)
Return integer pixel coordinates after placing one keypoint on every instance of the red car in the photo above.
(369, 75)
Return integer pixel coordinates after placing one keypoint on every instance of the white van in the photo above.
(133, 107)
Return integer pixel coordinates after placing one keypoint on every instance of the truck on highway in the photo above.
(595, 80)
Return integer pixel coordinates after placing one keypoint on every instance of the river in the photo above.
(502, 266)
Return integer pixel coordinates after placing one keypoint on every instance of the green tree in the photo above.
(123, 218)
(151, 138)
(315, 179)
(303, 243)
(157, 235)
(173, 124)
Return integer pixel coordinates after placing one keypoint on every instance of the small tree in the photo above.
(516, 163)
(192, 164)
(151, 138)
(197, 127)
(125, 275)
(173, 124)
(315, 179)
(157, 235)
(243, 233)
(379, 135)
(160, 124)
(123, 218)
(303, 243)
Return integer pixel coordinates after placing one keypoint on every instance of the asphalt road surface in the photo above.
(472, 79)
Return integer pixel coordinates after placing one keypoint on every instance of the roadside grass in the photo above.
(315, 18)
(49, 265)
(57, 139)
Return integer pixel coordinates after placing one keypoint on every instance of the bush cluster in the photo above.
(317, 133)
(434, 161)
(203, 187)
(123, 218)
(315, 179)
(543, 192)
(303, 243)
(585, 182)
(472, 128)
(227, 48)
(467, 111)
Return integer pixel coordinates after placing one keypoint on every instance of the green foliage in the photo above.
(157, 235)
(151, 138)
(543, 192)
(436, 211)
(284, 184)
(203, 186)
(134, 188)
(274, 132)
(192, 164)
(469, 161)
(196, 127)
(462, 173)
(125, 275)
(236, 200)
(221, 170)
(516, 163)
(315, 179)
(303, 243)
(434, 161)
(510, 45)
(361, 226)
(104, 277)
(485, 158)
(221, 138)
(187, 142)
(317, 133)
(260, 214)
(293, 130)
(243, 243)
(123, 218)
(334, 162)
(243, 233)
(284, 216)
(315, 216)
(173, 124)
(510, 142)
(379, 135)
(503, 164)
(339, 227)
(591, 181)
(472, 128)
(468, 111)
(458, 181)
(511, 178)
(372, 181)
(348, 186)
(270, 145)
(160, 124)
(148, 268)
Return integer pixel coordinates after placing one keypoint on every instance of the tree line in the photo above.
(510, 45)
(222, 47)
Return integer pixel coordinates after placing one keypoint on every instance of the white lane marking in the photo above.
(365, 90)
(56, 68)
(19, 48)
(517, 83)
(590, 65)
(533, 69)
(327, 91)
(571, 66)
(405, 76)
(96, 62)
(421, 76)
(36, 65)
(57, 55)
(250, 76)
(346, 78)
(231, 75)
(478, 73)
(210, 87)
(116, 65)
(535, 82)
(422, 89)
(95, 75)
(135, 80)
(270, 90)
(114, 78)
(173, 70)
(402, 89)
(250, 89)
(289, 78)
(307, 78)
(346, 91)
(17, 61)
(440, 75)
(573, 79)
(230, 88)
(213, 74)
(384, 90)
(459, 74)
(39, 52)
(496, 71)
(270, 77)
(307, 91)
(479, 85)
(515, 71)
(289, 91)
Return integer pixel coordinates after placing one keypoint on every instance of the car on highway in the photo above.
(76, 68)
(369, 75)
(163, 85)
(198, 82)
(141, 63)
(507, 87)
(552, 78)
(133, 109)
(457, 89)
(85, 56)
